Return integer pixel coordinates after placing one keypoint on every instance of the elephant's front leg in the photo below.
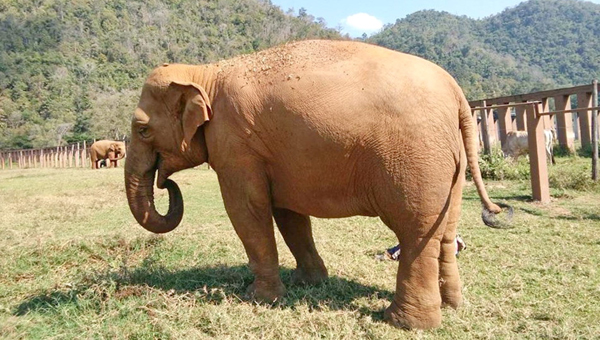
(297, 233)
(246, 196)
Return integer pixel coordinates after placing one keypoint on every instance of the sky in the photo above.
(356, 17)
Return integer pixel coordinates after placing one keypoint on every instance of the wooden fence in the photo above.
(70, 156)
(535, 112)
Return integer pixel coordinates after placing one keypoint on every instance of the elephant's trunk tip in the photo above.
(140, 196)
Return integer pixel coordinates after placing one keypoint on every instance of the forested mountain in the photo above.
(72, 69)
(537, 45)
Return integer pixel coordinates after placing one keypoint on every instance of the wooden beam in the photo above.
(537, 156)
(534, 95)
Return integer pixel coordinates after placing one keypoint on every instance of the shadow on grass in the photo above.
(46, 303)
(212, 285)
(520, 198)
(579, 217)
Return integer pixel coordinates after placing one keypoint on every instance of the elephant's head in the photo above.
(116, 151)
(166, 136)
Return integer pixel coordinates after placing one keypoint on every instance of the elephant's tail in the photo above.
(469, 137)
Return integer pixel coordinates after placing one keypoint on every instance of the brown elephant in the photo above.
(317, 128)
(110, 150)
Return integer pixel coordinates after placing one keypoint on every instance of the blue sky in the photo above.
(356, 17)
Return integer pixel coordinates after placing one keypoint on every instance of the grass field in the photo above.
(74, 264)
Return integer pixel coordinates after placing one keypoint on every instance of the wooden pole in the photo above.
(71, 154)
(83, 155)
(492, 126)
(521, 117)
(584, 100)
(477, 128)
(537, 155)
(485, 131)
(504, 122)
(564, 122)
(547, 121)
(77, 156)
(595, 131)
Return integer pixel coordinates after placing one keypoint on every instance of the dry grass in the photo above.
(75, 264)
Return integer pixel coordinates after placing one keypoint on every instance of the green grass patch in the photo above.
(76, 265)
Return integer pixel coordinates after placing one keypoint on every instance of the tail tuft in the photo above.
(490, 218)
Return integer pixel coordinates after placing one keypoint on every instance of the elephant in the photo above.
(320, 128)
(110, 150)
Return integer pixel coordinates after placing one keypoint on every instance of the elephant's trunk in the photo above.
(120, 157)
(140, 195)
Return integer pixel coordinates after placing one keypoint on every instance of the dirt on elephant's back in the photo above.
(291, 57)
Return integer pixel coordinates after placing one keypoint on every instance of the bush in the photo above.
(572, 177)
(495, 167)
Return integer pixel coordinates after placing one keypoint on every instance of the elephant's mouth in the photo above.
(163, 173)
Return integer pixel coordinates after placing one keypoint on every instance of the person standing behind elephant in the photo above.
(110, 150)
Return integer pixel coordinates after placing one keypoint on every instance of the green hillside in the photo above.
(71, 70)
(537, 45)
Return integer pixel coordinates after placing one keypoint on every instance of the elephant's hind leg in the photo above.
(297, 233)
(450, 286)
(449, 278)
(417, 300)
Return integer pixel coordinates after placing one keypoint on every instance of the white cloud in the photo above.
(363, 22)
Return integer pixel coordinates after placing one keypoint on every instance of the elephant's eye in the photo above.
(144, 132)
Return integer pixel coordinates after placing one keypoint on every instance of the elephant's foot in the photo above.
(311, 276)
(410, 317)
(265, 292)
(451, 296)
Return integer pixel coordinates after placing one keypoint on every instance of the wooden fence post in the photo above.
(584, 100)
(477, 128)
(537, 155)
(504, 123)
(492, 128)
(84, 155)
(564, 131)
(76, 154)
(547, 121)
(595, 131)
(521, 117)
(485, 130)
(71, 154)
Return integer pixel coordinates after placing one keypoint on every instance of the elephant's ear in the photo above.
(196, 111)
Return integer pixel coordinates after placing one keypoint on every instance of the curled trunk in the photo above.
(140, 195)
(120, 157)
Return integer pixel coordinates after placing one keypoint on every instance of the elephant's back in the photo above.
(297, 58)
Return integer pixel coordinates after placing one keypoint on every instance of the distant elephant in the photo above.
(317, 128)
(110, 150)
